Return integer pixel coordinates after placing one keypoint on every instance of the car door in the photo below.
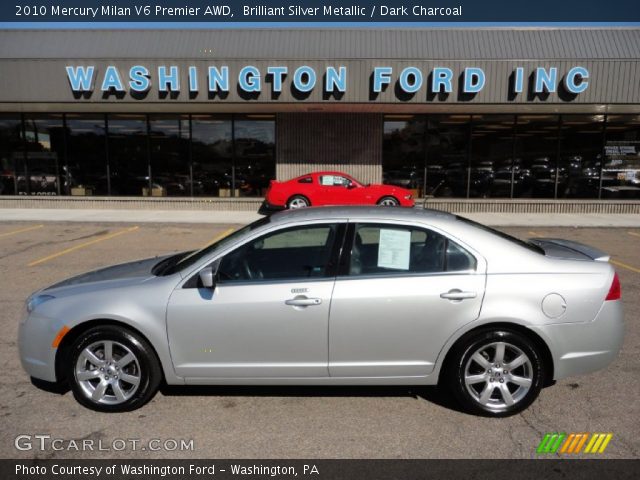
(401, 293)
(335, 190)
(267, 316)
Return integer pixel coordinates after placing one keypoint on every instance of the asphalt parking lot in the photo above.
(268, 422)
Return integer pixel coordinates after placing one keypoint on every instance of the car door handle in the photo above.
(303, 302)
(456, 294)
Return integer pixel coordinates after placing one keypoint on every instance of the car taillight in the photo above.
(614, 291)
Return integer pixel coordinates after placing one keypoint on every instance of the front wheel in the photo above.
(297, 201)
(112, 369)
(388, 202)
(496, 373)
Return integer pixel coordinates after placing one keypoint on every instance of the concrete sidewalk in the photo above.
(243, 217)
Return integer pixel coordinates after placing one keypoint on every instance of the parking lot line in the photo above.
(634, 234)
(624, 265)
(82, 245)
(535, 234)
(219, 237)
(27, 229)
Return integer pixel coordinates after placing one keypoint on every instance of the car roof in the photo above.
(370, 212)
(323, 172)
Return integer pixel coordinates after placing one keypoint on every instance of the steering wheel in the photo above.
(249, 272)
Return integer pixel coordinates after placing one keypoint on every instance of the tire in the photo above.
(298, 201)
(492, 392)
(118, 387)
(389, 201)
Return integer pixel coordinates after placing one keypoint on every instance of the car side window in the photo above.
(293, 253)
(333, 181)
(384, 249)
(306, 180)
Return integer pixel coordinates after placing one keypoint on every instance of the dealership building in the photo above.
(474, 115)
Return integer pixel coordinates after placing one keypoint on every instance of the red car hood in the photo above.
(389, 188)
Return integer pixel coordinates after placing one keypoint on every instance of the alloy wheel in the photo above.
(298, 202)
(389, 202)
(498, 375)
(108, 372)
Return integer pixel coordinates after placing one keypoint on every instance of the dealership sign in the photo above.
(139, 79)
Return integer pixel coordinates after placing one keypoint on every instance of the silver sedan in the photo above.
(334, 296)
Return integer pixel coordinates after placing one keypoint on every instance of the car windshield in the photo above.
(506, 236)
(183, 260)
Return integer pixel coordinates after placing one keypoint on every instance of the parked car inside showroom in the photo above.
(334, 296)
(332, 188)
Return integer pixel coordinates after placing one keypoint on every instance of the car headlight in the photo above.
(36, 300)
(407, 197)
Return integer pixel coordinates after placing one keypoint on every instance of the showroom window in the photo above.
(212, 155)
(11, 153)
(448, 146)
(86, 155)
(170, 164)
(580, 156)
(254, 159)
(536, 156)
(492, 171)
(44, 162)
(403, 158)
(621, 168)
(129, 156)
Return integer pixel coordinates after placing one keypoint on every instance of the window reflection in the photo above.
(483, 155)
(536, 156)
(580, 156)
(11, 152)
(447, 155)
(87, 166)
(169, 140)
(255, 162)
(211, 147)
(42, 170)
(128, 156)
(492, 168)
(621, 169)
(403, 158)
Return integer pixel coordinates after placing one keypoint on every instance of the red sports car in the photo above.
(332, 188)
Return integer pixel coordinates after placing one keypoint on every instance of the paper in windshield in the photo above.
(394, 248)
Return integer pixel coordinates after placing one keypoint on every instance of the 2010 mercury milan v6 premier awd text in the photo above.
(334, 296)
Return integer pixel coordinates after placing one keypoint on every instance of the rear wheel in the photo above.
(496, 373)
(298, 201)
(389, 201)
(113, 370)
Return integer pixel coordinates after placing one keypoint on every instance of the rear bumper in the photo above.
(267, 209)
(579, 348)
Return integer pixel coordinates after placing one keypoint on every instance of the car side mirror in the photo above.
(208, 275)
(351, 185)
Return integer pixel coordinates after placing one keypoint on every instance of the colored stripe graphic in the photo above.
(572, 443)
(581, 443)
(598, 443)
(551, 442)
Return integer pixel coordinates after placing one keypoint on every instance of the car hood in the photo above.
(394, 188)
(113, 276)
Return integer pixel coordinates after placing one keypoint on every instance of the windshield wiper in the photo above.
(163, 265)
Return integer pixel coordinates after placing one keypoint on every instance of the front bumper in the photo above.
(580, 348)
(37, 356)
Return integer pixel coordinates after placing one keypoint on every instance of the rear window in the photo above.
(380, 249)
(505, 236)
